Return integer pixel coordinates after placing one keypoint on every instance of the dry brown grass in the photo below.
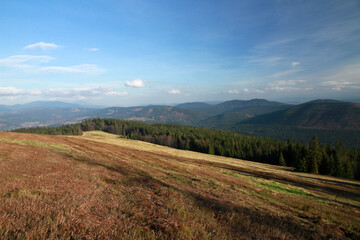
(99, 186)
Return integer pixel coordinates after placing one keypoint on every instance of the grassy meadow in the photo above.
(100, 186)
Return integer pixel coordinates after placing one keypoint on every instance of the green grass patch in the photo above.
(179, 179)
(276, 186)
(284, 188)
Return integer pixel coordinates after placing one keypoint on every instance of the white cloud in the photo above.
(294, 64)
(174, 91)
(287, 86)
(93, 49)
(284, 89)
(245, 90)
(113, 93)
(339, 85)
(60, 92)
(11, 91)
(234, 91)
(42, 46)
(287, 82)
(136, 83)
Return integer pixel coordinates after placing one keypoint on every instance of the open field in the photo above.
(99, 186)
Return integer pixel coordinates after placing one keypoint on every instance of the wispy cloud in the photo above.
(285, 73)
(82, 68)
(234, 91)
(60, 92)
(265, 60)
(136, 83)
(338, 85)
(276, 86)
(19, 59)
(288, 86)
(33, 64)
(174, 91)
(245, 90)
(275, 43)
(345, 78)
(294, 64)
(93, 49)
(42, 46)
(287, 82)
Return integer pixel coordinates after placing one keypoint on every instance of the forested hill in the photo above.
(251, 107)
(153, 113)
(318, 114)
(313, 157)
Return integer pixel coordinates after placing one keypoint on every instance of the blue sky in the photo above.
(134, 52)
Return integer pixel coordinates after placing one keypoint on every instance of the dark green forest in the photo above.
(334, 160)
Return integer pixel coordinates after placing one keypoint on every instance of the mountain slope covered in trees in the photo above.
(161, 114)
(251, 107)
(319, 114)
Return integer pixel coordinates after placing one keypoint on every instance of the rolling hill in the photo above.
(224, 120)
(99, 186)
(160, 114)
(252, 107)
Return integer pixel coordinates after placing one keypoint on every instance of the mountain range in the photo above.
(330, 119)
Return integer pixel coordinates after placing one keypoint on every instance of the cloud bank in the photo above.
(60, 92)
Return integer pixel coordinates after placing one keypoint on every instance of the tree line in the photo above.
(334, 160)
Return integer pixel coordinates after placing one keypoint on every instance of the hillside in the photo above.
(251, 107)
(160, 114)
(199, 106)
(318, 114)
(101, 186)
(225, 119)
(349, 138)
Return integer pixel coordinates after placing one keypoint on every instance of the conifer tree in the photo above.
(339, 167)
(281, 160)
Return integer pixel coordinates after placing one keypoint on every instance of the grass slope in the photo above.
(101, 186)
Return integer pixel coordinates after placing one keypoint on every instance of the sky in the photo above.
(140, 52)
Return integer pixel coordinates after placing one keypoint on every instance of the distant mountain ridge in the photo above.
(253, 107)
(332, 120)
(318, 114)
(153, 113)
